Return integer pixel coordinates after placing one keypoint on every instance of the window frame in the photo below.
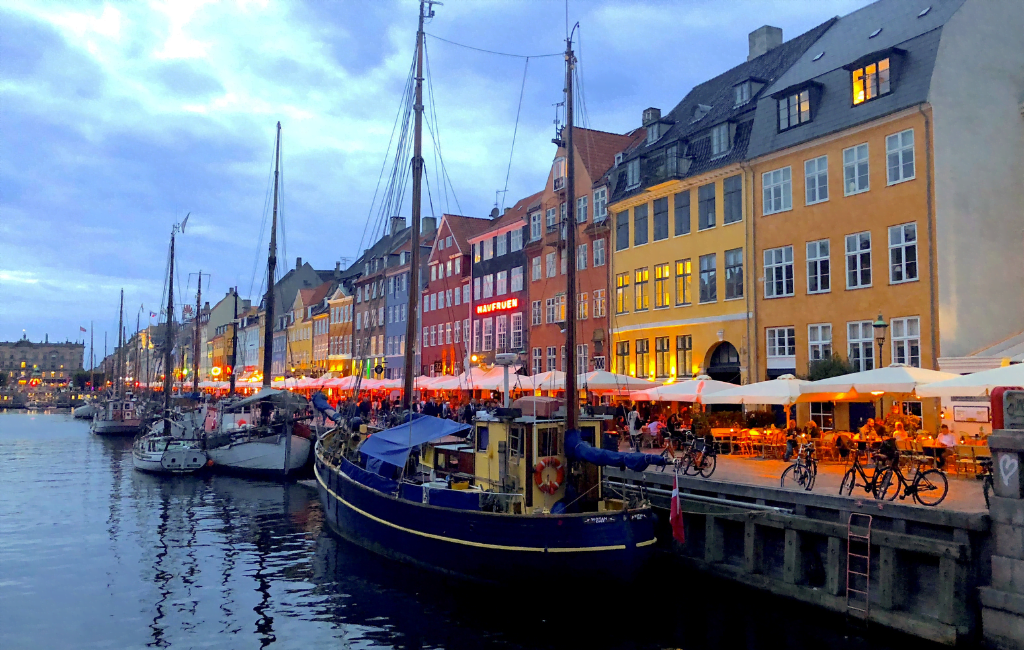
(660, 218)
(817, 342)
(736, 281)
(904, 339)
(860, 341)
(600, 201)
(859, 255)
(801, 100)
(677, 205)
(732, 200)
(817, 173)
(899, 151)
(641, 295)
(902, 247)
(706, 207)
(684, 273)
(640, 222)
(777, 269)
(855, 165)
(711, 281)
(869, 77)
(816, 260)
(662, 274)
(780, 179)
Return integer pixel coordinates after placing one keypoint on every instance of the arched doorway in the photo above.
(723, 363)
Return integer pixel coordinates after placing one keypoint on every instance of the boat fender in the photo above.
(302, 431)
(549, 486)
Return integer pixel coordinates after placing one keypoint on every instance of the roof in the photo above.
(846, 42)
(689, 130)
(315, 296)
(511, 215)
(597, 149)
(463, 228)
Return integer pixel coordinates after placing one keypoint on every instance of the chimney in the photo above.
(298, 263)
(397, 223)
(429, 224)
(651, 115)
(762, 39)
(337, 267)
(494, 212)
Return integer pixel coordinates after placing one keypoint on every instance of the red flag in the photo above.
(82, 328)
(675, 517)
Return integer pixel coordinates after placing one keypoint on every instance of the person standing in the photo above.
(633, 423)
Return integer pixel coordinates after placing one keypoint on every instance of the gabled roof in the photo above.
(597, 149)
(462, 228)
(516, 213)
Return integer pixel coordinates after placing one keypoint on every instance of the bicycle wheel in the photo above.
(849, 482)
(795, 474)
(986, 487)
(812, 474)
(931, 487)
(888, 486)
(689, 469)
(707, 468)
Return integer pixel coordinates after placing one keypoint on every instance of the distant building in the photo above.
(44, 363)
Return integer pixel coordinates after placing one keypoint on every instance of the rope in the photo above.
(515, 130)
(480, 49)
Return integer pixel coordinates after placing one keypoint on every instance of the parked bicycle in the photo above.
(804, 469)
(698, 457)
(928, 488)
(869, 483)
(986, 478)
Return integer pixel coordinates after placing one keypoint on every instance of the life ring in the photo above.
(549, 486)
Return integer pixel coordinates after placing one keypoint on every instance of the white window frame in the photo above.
(516, 243)
(900, 247)
(488, 286)
(815, 263)
(516, 342)
(501, 332)
(776, 262)
(780, 347)
(516, 281)
(501, 248)
(903, 338)
(550, 265)
(600, 303)
(720, 141)
(819, 341)
(501, 283)
(476, 288)
(600, 204)
(536, 226)
(581, 257)
(633, 173)
(599, 252)
(536, 314)
(899, 149)
(816, 180)
(860, 336)
(581, 209)
(488, 246)
(777, 187)
(856, 168)
(858, 255)
(536, 270)
(488, 337)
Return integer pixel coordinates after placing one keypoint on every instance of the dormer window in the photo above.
(741, 93)
(700, 112)
(559, 174)
(633, 173)
(720, 139)
(653, 133)
(871, 81)
(794, 109)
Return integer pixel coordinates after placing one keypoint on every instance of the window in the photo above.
(816, 179)
(458, 330)
(622, 357)
(565, 262)
(488, 334)
(599, 303)
(535, 266)
(684, 355)
(448, 241)
(819, 341)
(708, 278)
(600, 204)
(741, 93)
(581, 257)
(633, 173)
(551, 219)
(622, 231)
(517, 331)
(720, 139)
(582, 357)
(661, 357)
(476, 288)
(855, 169)
(488, 248)
(516, 240)
(448, 333)
(549, 263)
(501, 283)
(621, 286)
(858, 260)
(501, 332)
(433, 336)
(582, 306)
(551, 312)
(823, 414)
(458, 296)
(732, 188)
(794, 110)
(517, 279)
(899, 152)
(640, 225)
(489, 286)
(643, 355)
(818, 272)
(661, 285)
(778, 272)
(906, 341)
(500, 249)
(538, 360)
(682, 213)
(552, 361)
(660, 219)
(598, 252)
(734, 273)
(902, 253)
(535, 318)
(683, 272)
(560, 308)
(641, 298)
(562, 219)
(870, 81)
(778, 190)
(781, 343)
(581, 209)
(558, 174)
(465, 293)
(535, 226)
(476, 252)
(859, 336)
(706, 206)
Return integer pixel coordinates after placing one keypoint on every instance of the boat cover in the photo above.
(577, 449)
(393, 445)
(279, 398)
(320, 402)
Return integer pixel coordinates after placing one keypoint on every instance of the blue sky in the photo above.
(121, 117)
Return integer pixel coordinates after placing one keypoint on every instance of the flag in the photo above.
(82, 328)
(675, 517)
(152, 314)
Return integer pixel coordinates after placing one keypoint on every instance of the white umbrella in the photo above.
(690, 390)
(897, 378)
(604, 380)
(976, 384)
(785, 391)
(550, 380)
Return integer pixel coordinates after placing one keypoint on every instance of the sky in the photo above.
(121, 118)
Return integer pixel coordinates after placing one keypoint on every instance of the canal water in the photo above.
(96, 555)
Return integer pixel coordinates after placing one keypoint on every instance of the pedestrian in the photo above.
(633, 423)
(792, 440)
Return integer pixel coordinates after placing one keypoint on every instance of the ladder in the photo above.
(858, 565)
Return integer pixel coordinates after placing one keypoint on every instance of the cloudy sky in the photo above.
(119, 118)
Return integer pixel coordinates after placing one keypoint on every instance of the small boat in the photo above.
(86, 411)
(118, 417)
(160, 454)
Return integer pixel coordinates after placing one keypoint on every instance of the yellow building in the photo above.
(299, 352)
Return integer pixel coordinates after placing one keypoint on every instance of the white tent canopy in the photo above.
(604, 380)
(691, 390)
(976, 384)
(550, 380)
(897, 378)
(785, 390)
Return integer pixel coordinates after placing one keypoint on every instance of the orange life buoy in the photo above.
(548, 485)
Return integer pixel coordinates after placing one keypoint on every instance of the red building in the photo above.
(445, 303)
(548, 259)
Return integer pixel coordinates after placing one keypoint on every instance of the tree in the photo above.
(831, 366)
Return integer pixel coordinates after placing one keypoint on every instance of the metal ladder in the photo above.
(858, 566)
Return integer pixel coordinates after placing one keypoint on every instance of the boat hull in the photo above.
(263, 457)
(169, 462)
(486, 547)
(116, 427)
(85, 412)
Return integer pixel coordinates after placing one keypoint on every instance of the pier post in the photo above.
(714, 540)
(835, 569)
(793, 564)
(891, 590)
(751, 548)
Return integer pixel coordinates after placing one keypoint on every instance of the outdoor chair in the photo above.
(965, 458)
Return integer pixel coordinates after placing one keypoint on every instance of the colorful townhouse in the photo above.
(397, 313)
(887, 166)
(548, 258)
(445, 300)
(321, 338)
(339, 355)
(682, 295)
(308, 306)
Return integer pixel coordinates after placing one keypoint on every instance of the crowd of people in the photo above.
(383, 410)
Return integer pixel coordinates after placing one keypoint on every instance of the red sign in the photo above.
(500, 305)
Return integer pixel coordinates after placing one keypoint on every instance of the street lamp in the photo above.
(880, 326)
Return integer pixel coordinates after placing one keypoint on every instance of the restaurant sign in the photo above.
(500, 305)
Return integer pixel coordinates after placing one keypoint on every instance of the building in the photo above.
(339, 355)
(44, 364)
(247, 354)
(872, 155)
(681, 225)
(396, 315)
(445, 306)
(218, 333)
(308, 306)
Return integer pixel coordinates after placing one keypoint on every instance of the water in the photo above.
(96, 555)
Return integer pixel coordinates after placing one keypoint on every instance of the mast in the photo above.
(234, 342)
(571, 393)
(136, 349)
(105, 371)
(268, 329)
(195, 335)
(120, 346)
(168, 345)
(414, 242)
(92, 359)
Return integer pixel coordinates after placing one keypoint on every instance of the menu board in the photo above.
(971, 414)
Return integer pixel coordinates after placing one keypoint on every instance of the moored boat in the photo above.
(118, 417)
(168, 455)
(86, 411)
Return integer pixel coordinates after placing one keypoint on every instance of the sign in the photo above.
(499, 305)
(1013, 409)
(971, 414)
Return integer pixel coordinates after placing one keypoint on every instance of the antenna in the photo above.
(496, 194)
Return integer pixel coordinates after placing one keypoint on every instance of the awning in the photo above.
(976, 384)
(784, 391)
(393, 445)
(896, 378)
(279, 398)
(690, 390)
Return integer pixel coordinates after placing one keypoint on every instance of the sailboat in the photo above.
(121, 414)
(262, 435)
(531, 501)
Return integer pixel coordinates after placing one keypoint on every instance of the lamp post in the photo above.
(880, 326)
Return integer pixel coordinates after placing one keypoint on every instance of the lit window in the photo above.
(684, 355)
(870, 81)
(622, 357)
(643, 355)
(899, 151)
(683, 273)
(641, 297)
(794, 110)
(599, 303)
(661, 285)
(621, 286)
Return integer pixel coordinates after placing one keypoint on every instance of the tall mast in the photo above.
(92, 360)
(571, 393)
(195, 335)
(268, 333)
(120, 346)
(234, 342)
(414, 240)
(135, 349)
(168, 343)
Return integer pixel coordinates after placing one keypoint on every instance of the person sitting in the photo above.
(888, 454)
(868, 429)
(948, 442)
(812, 430)
(792, 441)
(899, 433)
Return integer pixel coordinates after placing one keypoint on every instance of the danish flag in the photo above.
(675, 517)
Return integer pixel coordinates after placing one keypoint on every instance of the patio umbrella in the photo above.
(785, 390)
(976, 384)
(602, 380)
(550, 380)
(897, 378)
(691, 390)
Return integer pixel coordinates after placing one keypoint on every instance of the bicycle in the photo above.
(849, 482)
(985, 476)
(698, 458)
(804, 469)
(928, 488)
(676, 442)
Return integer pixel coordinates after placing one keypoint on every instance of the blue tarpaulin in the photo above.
(577, 449)
(393, 445)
